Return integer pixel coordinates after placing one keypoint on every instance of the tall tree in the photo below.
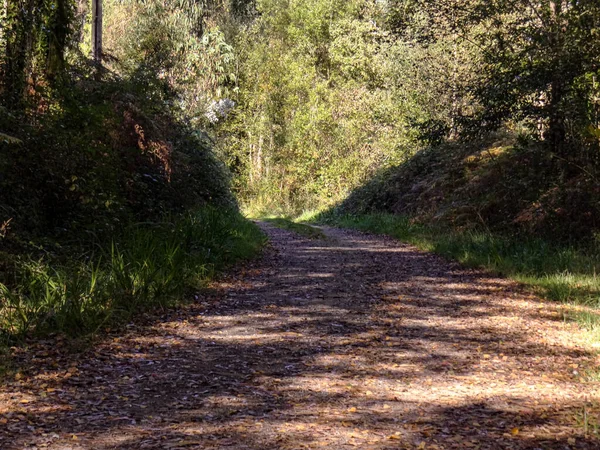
(539, 60)
(35, 35)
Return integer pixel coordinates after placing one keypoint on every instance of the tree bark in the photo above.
(556, 133)
(17, 34)
(97, 31)
(58, 40)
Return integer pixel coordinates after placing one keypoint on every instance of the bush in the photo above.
(498, 183)
(103, 155)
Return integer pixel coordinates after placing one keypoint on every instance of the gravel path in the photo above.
(354, 341)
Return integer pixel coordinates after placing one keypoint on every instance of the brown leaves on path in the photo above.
(354, 341)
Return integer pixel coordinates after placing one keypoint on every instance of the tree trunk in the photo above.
(454, 114)
(97, 31)
(556, 132)
(58, 40)
(16, 33)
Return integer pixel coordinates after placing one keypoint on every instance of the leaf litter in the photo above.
(354, 341)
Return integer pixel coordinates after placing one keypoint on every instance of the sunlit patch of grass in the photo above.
(565, 274)
(592, 374)
(299, 228)
(308, 215)
(566, 287)
(589, 320)
(587, 418)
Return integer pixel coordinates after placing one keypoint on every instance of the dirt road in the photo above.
(353, 341)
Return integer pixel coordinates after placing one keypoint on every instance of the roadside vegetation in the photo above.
(112, 200)
(559, 272)
(496, 203)
(152, 265)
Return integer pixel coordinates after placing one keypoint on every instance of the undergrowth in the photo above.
(563, 273)
(501, 182)
(148, 266)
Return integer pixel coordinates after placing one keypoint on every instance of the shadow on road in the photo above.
(356, 341)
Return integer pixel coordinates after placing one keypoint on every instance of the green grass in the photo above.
(153, 265)
(296, 227)
(564, 274)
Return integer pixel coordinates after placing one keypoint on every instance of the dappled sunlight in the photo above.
(319, 275)
(345, 346)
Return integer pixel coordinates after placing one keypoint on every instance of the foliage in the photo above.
(182, 42)
(392, 104)
(330, 93)
(316, 115)
(92, 155)
(88, 150)
(101, 157)
(35, 35)
(540, 63)
(498, 183)
(149, 265)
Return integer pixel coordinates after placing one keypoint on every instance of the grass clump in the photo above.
(299, 228)
(150, 265)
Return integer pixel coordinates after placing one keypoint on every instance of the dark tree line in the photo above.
(539, 60)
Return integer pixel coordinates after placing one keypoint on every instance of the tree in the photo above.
(35, 36)
(539, 60)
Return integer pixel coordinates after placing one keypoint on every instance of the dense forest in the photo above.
(471, 115)
(358, 88)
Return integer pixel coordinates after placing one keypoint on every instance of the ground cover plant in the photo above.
(152, 265)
